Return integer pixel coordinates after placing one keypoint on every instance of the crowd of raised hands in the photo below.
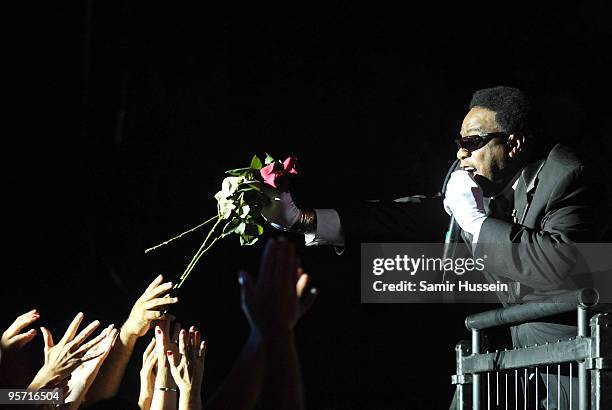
(87, 364)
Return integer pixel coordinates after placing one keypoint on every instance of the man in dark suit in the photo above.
(505, 192)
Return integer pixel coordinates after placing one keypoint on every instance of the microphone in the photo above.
(454, 231)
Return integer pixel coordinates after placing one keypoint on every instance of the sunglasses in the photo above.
(474, 142)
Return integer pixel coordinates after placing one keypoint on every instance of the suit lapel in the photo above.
(523, 194)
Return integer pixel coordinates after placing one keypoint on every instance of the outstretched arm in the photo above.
(147, 308)
(410, 219)
(245, 382)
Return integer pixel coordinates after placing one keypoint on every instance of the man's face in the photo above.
(486, 163)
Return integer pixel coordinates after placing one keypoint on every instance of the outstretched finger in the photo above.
(196, 343)
(202, 349)
(84, 334)
(104, 346)
(183, 342)
(158, 303)
(150, 359)
(301, 284)
(108, 343)
(23, 338)
(159, 279)
(90, 344)
(47, 337)
(160, 342)
(148, 351)
(72, 328)
(21, 322)
(159, 290)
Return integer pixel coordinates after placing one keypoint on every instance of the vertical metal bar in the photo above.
(537, 396)
(515, 389)
(460, 351)
(497, 388)
(584, 382)
(558, 386)
(526, 395)
(506, 391)
(488, 390)
(571, 365)
(547, 390)
(475, 377)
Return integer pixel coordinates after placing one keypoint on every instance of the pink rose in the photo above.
(274, 173)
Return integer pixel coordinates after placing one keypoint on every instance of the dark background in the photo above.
(124, 116)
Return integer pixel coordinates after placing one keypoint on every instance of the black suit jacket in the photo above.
(556, 202)
(556, 205)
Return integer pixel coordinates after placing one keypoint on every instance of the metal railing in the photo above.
(526, 371)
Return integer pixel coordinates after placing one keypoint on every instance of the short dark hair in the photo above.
(510, 104)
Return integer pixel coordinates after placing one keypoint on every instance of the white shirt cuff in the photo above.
(329, 230)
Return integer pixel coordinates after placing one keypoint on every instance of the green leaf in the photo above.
(231, 227)
(260, 229)
(246, 240)
(268, 159)
(256, 163)
(251, 186)
(238, 172)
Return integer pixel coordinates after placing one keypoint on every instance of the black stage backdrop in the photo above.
(124, 116)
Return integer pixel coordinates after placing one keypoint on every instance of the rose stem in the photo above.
(180, 235)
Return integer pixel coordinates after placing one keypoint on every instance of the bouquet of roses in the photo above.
(239, 205)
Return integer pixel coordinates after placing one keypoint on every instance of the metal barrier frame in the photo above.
(593, 352)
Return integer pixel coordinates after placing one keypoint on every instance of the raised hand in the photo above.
(164, 393)
(188, 366)
(147, 376)
(83, 376)
(255, 297)
(164, 341)
(274, 308)
(65, 356)
(12, 340)
(148, 307)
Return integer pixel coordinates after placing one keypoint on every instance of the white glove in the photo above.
(280, 211)
(464, 201)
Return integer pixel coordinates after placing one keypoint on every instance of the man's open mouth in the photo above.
(470, 170)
